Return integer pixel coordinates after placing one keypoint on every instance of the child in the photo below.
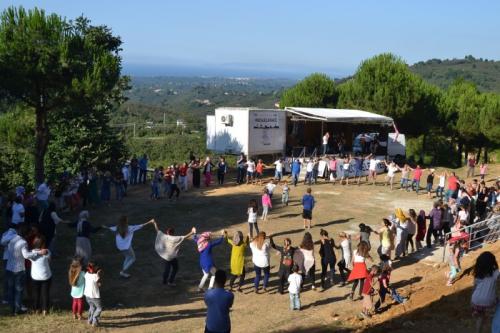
(383, 280)
(482, 170)
(345, 173)
(41, 276)
(238, 246)
(92, 294)
(456, 250)
(205, 245)
(124, 234)
(252, 211)
(370, 288)
(485, 279)
(270, 188)
(259, 171)
(77, 282)
(266, 204)
(294, 283)
(285, 193)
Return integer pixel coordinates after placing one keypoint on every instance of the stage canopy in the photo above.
(338, 116)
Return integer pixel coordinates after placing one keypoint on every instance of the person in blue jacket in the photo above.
(295, 171)
(205, 245)
(307, 205)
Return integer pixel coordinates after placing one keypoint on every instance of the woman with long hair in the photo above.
(386, 234)
(260, 258)
(359, 271)
(412, 229)
(421, 229)
(252, 211)
(304, 258)
(328, 257)
(207, 170)
(195, 165)
(76, 279)
(124, 234)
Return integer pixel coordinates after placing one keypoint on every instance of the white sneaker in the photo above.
(125, 275)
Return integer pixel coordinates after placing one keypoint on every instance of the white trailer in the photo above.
(251, 131)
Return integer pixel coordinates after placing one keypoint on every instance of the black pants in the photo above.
(430, 233)
(220, 178)
(233, 279)
(355, 284)
(409, 240)
(311, 275)
(41, 291)
(174, 188)
(343, 270)
(283, 275)
(241, 175)
(171, 268)
(324, 269)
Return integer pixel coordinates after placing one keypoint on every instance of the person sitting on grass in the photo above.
(219, 302)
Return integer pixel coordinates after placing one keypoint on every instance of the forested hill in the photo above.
(483, 72)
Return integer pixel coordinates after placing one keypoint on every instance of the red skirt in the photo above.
(359, 271)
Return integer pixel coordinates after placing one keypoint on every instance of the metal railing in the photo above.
(480, 233)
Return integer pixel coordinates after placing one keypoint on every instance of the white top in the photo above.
(463, 215)
(325, 139)
(55, 218)
(308, 259)
(279, 166)
(17, 213)
(310, 166)
(346, 166)
(125, 243)
(17, 251)
(125, 173)
(40, 267)
(43, 192)
(270, 187)
(252, 216)
(294, 280)
(6, 238)
(167, 246)
(260, 258)
(484, 293)
(391, 170)
(373, 164)
(251, 166)
(442, 180)
(358, 258)
(345, 246)
(92, 286)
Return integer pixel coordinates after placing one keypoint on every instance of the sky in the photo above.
(286, 37)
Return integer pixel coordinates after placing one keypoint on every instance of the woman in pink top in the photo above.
(482, 170)
(266, 204)
(333, 169)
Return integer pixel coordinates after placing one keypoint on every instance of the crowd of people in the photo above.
(31, 219)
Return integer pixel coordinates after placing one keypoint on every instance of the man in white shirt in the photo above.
(17, 252)
(42, 195)
(309, 172)
(17, 211)
(279, 170)
(326, 137)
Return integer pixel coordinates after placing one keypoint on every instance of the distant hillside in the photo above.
(483, 72)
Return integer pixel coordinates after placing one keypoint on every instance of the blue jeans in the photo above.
(325, 149)
(142, 175)
(295, 177)
(439, 192)
(415, 185)
(155, 191)
(278, 175)
(133, 176)
(16, 283)
(129, 258)
(95, 309)
(258, 272)
(309, 177)
(294, 301)
(171, 268)
(496, 320)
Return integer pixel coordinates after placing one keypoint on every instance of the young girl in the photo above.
(370, 288)
(77, 282)
(260, 258)
(92, 294)
(455, 252)
(345, 263)
(359, 271)
(484, 295)
(304, 258)
(252, 211)
(41, 276)
(205, 246)
(383, 280)
(266, 204)
(345, 171)
(328, 258)
(259, 171)
(482, 170)
(285, 193)
(238, 246)
(124, 234)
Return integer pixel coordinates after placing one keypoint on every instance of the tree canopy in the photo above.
(316, 90)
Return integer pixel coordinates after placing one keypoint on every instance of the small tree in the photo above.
(50, 65)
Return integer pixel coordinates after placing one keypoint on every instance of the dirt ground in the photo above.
(143, 304)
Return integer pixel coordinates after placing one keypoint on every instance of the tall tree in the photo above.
(316, 90)
(50, 64)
